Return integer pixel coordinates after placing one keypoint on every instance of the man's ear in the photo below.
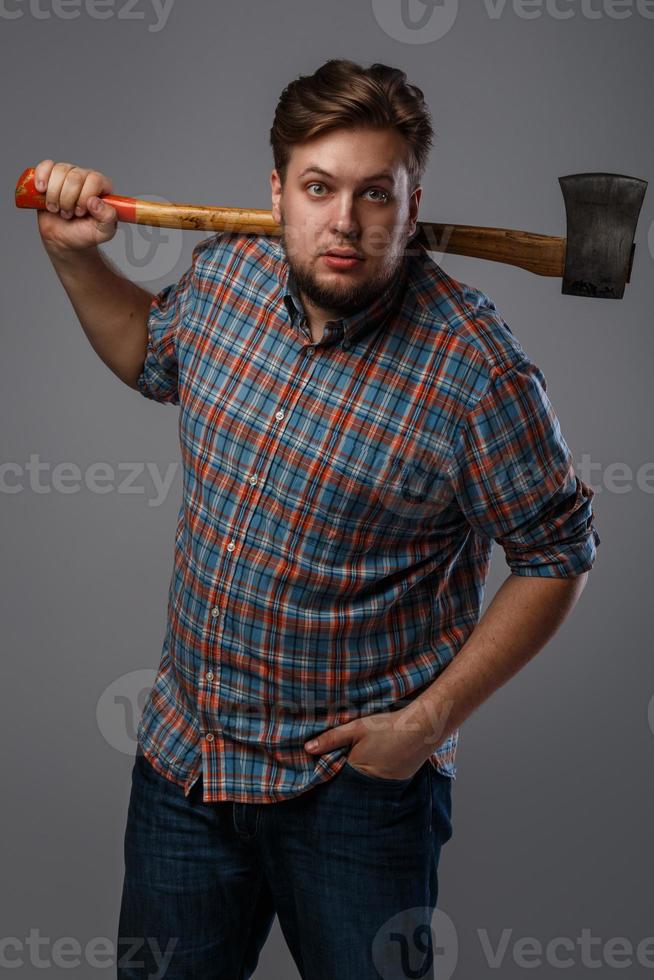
(276, 189)
(414, 205)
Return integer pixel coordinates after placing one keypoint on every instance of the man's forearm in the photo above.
(524, 614)
(112, 310)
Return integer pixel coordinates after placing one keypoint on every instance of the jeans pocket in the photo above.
(381, 780)
(440, 789)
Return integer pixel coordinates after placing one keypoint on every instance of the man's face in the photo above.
(346, 190)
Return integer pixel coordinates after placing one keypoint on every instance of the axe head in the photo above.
(602, 212)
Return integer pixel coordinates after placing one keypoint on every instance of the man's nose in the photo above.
(345, 220)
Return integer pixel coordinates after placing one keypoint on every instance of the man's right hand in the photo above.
(77, 218)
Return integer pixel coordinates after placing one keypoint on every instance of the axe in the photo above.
(595, 258)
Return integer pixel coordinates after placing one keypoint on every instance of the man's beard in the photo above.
(345, 299)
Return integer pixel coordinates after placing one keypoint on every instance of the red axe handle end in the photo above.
(27, 196)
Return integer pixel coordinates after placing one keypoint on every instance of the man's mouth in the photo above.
(344, 253)
(337, 258)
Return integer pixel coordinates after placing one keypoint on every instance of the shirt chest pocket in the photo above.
(365, 508)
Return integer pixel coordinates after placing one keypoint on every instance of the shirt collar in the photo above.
(351, 328)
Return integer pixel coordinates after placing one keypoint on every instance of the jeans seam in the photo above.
(250, 929)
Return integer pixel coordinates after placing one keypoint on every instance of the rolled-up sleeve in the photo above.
(513, 477)
(159, 377)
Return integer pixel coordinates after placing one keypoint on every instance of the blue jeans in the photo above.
(349, 867)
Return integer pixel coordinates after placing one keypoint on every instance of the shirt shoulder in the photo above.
(255, 260)
(472, 321)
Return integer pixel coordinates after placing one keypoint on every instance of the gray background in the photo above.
(553, 802)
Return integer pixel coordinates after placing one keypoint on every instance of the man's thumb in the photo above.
(103, 213)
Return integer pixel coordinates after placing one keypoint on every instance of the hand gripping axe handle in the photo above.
(594, 259)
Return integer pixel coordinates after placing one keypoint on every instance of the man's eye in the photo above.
(374, 190)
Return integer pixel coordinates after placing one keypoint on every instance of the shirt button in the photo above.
(310, 350)
(231, 546)
(209, 675)
(279, 416)
(209, 737)
(346, 345)
(253, 480)
(215, 611)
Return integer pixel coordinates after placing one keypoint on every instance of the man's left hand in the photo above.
(390, 744)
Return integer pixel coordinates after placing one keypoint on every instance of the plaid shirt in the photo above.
(340, 503)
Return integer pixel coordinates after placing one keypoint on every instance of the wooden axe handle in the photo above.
(541, 254)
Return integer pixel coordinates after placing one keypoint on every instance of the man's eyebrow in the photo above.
(382, 175)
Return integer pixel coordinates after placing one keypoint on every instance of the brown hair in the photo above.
(342, 93)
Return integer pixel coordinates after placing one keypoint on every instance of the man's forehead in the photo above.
(384, 155)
